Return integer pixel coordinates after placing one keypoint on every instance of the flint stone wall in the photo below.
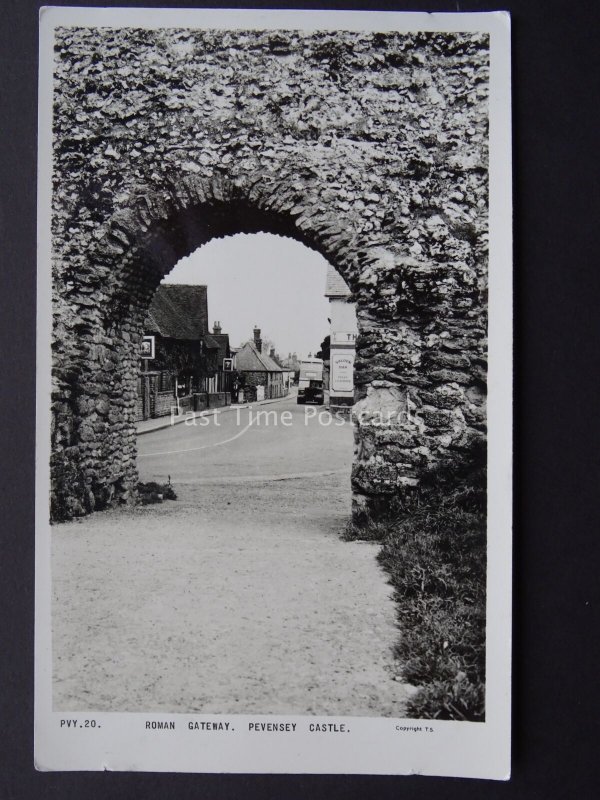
(370, 148)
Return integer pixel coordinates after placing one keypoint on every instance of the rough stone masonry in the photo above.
(368, 147)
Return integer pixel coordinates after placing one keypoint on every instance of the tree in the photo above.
(324, 352)
(267, 345)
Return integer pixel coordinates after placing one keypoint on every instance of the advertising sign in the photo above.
(342, 371)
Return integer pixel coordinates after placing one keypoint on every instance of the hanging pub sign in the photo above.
(148, 347)
(228, 365)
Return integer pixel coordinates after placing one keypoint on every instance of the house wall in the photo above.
(343, 328)
(343, 333)
(256, 378)
(272, 381)
(152, 400)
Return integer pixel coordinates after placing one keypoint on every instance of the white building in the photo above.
(343, 331)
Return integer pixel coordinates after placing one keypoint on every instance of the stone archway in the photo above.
(349, 143)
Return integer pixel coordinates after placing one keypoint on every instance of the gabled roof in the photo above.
(210, 343)
(270, 363)
(178, 311)
(248, 359)
(335, 285)
(218, 342)
(222, 339)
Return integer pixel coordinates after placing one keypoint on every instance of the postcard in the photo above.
(274, 392)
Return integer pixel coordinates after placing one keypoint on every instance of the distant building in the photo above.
(261, 375)
(180, 359)
(291, 365)
(342, 343)
(291, 362)
(218, 351)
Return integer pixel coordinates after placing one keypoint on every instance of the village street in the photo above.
(238, 597)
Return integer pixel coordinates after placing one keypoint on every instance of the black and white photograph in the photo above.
(273, 493)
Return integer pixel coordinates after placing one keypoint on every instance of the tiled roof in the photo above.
(270, 363)
(219, 342)
(178, 311)
(248, 359)
(222, 339)
(210, 343)
(335, 285)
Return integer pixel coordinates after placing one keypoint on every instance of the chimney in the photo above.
(257, 339)
(272, 352)
(217, 327)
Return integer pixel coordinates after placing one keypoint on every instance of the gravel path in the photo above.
(209, 605)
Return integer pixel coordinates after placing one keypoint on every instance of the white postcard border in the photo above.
(119, 741)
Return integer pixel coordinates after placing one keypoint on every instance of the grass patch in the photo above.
(434, 551)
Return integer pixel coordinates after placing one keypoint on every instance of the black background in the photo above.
(556, 713)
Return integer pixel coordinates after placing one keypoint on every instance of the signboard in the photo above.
(342, 371)
(148, 347)
(228, 365)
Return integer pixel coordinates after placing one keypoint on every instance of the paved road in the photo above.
(238, 597)
(277, 440)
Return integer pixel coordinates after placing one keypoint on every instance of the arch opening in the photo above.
(416, 395)
(102, 442)
(239, 334)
